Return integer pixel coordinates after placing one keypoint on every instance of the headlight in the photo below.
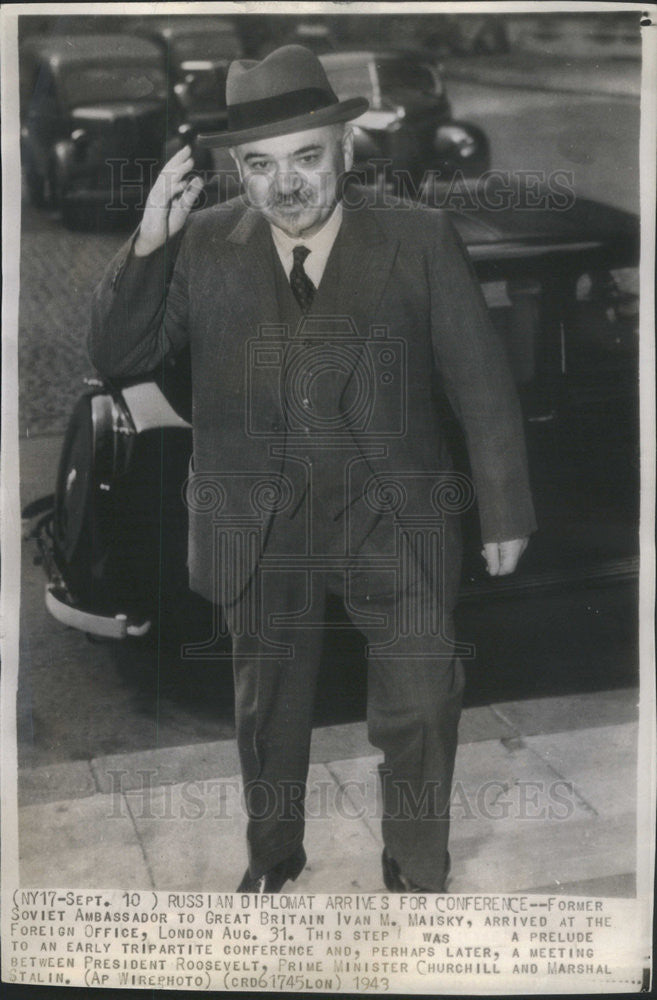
(454, 138)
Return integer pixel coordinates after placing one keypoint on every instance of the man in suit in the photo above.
(321, 329)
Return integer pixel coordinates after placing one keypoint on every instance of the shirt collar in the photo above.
(322, 241)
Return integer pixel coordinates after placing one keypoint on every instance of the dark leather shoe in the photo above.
(276, 877)
(395, 881)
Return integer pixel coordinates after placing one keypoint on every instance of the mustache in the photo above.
(279, 199)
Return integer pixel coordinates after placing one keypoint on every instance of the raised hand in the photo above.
(169, 203)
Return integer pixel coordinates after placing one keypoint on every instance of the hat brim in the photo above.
(340, 112)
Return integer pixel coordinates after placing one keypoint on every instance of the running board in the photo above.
(609, 572)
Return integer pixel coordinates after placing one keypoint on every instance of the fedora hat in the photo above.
(286, 92)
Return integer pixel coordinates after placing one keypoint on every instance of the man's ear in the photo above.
(348, 147)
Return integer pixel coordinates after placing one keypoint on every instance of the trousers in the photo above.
(414, 694)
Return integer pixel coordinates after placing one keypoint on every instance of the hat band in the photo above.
(252, 114)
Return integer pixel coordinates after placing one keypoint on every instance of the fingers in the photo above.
(178, 187)
(184, 153)
(490, 552)
(502, 557)
(184, 202)
(169, 203)
(171, 179)
(191, 192)
(509, 555)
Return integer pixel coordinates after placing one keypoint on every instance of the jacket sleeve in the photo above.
(479, 385)
(139, 310)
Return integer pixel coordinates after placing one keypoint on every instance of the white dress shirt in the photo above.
(320, 246)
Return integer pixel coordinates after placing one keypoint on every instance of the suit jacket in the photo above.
(410, 308)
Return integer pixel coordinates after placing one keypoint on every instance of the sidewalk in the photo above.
(544, 794)
(544, 800)
(532, 71)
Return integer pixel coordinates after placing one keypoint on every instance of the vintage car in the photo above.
(197, 51)
(561, 288)
(409, 125)
(94, 111)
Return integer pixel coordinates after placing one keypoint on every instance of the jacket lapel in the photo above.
(366, 257)
(363, 257)
(254, 278)
(253, 301)
(359, 265)
(355, 277)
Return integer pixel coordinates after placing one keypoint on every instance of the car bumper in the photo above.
(102, 626)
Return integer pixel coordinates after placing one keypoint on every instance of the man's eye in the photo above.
(260, 165)
(308, 158)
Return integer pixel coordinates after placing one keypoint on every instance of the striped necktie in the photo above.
(302, 286)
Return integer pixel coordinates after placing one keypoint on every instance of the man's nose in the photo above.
(288, 181)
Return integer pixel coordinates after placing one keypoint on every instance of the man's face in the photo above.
(292, 179)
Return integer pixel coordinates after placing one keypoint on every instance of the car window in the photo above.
(210, 45)
(402, 74)
(102, 84)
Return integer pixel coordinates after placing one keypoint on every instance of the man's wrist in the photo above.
(143, 247)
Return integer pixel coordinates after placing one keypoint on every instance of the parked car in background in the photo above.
(197, 51)
(409, 125)
(97, 122)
